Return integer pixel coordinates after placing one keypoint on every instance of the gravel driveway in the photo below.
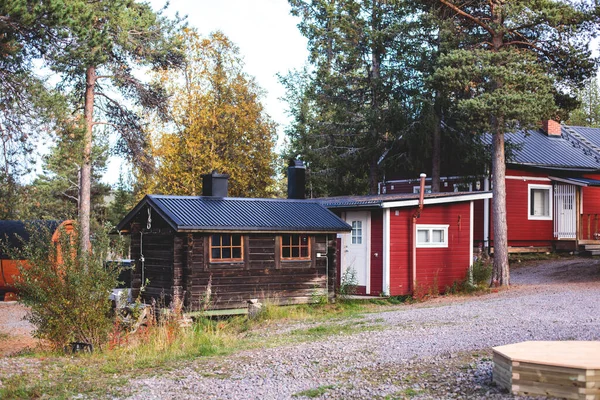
(438, 349)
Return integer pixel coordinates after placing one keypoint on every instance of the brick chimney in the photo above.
(551, 127)
(296, 180)
(214, 184)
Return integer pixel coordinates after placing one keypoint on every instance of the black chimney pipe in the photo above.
(214, 184)
(296, 179)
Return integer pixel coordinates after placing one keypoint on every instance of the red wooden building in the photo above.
(395, 243)
(552, 186)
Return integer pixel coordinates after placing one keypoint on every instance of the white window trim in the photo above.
(550, 198)
(430, 228)
(416, 189)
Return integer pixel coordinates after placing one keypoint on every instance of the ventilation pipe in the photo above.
(415, 216)
(296, 179)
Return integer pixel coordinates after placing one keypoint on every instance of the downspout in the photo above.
(486, 216)
(415, 216)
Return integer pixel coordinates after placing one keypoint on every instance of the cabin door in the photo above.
(565, 213)
(355, 245)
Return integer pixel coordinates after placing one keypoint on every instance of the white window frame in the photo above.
(550, 205)
(417, 189)
(431, 228)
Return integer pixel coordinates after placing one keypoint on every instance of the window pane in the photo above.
(437, 236)
(226, 240)
(295, 240)
(236, 240)
(215, 253)
(353, 239)
(285, 239)
(423, 236)
(304, 252)
(359, 240)
(540, 202)
(304, 240)
(295, 252)
(237, 252)
(226, 252)
(285, 252)
(216, 240)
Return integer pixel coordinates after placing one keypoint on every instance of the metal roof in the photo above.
(577, 181)
(568, 151)
(400, 199)
(203, 213)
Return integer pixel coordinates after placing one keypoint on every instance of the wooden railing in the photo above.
(588, 227)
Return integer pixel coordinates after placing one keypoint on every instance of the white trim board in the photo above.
(437, 200)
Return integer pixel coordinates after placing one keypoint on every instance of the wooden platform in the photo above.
(568, 369)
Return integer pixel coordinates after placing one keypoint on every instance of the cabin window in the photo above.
(295, 247)
(540, 202)
(357, 232)
(432, 235)
(417, 189)
(226, 247)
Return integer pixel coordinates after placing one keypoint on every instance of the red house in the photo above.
(399, 240)
(552, 180)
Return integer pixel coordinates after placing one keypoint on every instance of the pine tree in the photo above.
(515, 60)
(97, 47)
(357, 101)
(588, 113)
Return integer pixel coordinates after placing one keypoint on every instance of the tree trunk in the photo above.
(436, 143)
(86, 168)
(501, 275)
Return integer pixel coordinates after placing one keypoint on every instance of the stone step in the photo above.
(590, 247)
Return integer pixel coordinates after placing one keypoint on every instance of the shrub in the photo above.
(348, 283)
(482, 271)
(66, 288)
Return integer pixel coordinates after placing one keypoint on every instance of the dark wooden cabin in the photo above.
(236, 249)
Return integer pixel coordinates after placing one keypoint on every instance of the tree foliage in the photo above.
(588, 113)
(515, 65)
(67, 288)
(218, 124)
(358, 99)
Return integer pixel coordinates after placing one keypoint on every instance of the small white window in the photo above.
(417, 189)
(432, 235)
(540, 202)
(356, 232)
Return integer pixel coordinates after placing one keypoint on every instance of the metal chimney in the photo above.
(296, 179)
(214, 184)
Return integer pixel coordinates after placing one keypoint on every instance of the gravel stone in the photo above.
(439, 349)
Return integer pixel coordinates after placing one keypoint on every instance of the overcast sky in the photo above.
(264, 31)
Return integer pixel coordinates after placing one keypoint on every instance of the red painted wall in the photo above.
(591, 210)
(444, 265)
(522, 232)
(376, 248)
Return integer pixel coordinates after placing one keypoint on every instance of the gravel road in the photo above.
(438, 349)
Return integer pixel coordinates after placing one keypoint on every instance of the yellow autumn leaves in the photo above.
(217, 123)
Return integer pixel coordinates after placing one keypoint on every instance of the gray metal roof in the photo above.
(196, 213)
(377, 201)
(535, 148)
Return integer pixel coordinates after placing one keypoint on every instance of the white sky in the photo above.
(266, 35)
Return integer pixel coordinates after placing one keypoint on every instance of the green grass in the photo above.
(316, 392)
(161, 348)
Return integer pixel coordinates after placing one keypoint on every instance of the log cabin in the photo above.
(216, 252)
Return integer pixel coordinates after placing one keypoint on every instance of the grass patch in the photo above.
(316, 392)
(160, 348)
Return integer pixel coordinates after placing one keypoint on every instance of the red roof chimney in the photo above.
(551, 127)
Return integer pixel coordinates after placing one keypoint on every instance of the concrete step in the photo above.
(589, 247)
(594, 252)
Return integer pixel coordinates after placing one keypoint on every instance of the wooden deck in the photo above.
(569, 369)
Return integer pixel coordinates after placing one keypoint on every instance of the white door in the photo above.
(355, 245)
(565, 225)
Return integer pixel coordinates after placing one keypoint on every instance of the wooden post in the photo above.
(577, 217)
